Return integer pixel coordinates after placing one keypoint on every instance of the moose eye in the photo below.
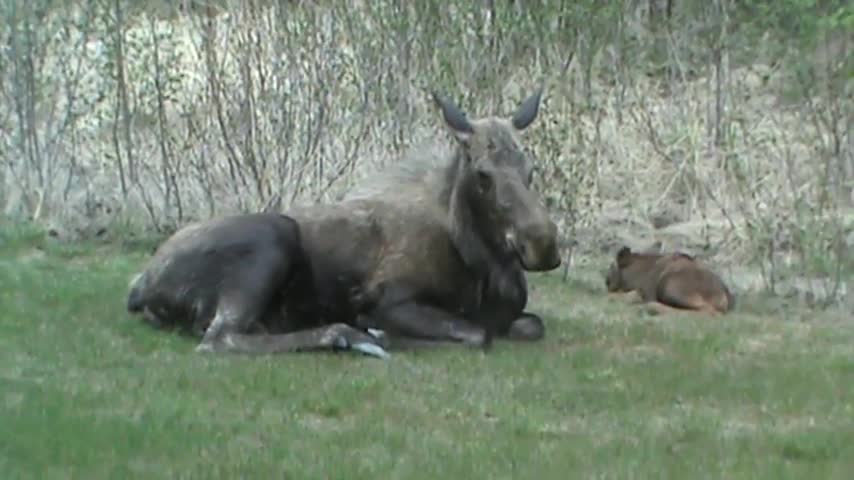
(484, 181)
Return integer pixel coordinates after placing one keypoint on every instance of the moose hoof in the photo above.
(478, 338)
(371, 349)
(205, 347)
(376, 333)
(486, 343)
(344, 337)
(528, 327)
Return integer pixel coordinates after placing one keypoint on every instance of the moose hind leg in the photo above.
(337, 336)
(246, 296)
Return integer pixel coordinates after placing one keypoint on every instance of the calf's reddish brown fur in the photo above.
(668, 282)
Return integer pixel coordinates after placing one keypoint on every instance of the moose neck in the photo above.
(477, 252)
(502, 280)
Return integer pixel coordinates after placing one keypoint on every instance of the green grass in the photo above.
(88, 392)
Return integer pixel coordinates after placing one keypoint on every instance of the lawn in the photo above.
(88, 392)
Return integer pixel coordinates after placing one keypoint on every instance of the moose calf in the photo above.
(669, 282)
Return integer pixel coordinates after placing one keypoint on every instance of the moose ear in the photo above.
(455, 119)
(527, 111)
(623, 256)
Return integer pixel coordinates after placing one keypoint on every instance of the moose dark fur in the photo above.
(434, 251)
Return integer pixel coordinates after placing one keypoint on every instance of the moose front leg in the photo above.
(503, 309)
(410, 320)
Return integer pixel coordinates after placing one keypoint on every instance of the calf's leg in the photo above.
(631, 296)
(658, 308)
(683, 297)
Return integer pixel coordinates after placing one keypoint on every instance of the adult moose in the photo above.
(433, 251)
